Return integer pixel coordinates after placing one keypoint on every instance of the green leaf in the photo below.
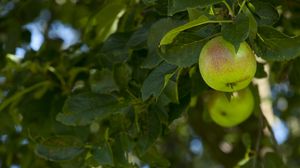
(103, 155)
(156, 32)
(102, 81)
(273, 160)
(59, 148)
(194, 13)
(115, 49)
(238, 31)
(150, 129)
(273, 45)
(101, 26)
(138, 38)
(122, 75)
(149, 2)
(181, 5)
(120, 154)
(83, 108)
(157, 80)
(182, 54)
(170, 36)
(252, 23)
(267, 14)
(171, 91)
(155, 158)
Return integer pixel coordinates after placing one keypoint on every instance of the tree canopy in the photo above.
(116, 83)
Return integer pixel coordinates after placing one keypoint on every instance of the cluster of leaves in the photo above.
(113, 103)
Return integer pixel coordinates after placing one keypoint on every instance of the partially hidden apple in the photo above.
(230, 112)
(224, 69)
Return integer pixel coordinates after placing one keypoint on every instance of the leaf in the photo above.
(59, 148)
(197, 84)
(155, 158)
(171, 91)
(101, 26)
(83, 108)
(238, 31)
(252, 24)
(273, 160)
(122, 75)
(150, 129)
(115, 48)
(120, 155)
(267, 14)
(149, 2)
(273, 45)
(182, 54)
(194, 13)
(103, 155)
(102, 81)
(180, 5)
(156, 32)
(138, 38)
(157, 80)
(170, 36)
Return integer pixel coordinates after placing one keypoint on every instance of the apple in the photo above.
(224, 69)
(229, 112)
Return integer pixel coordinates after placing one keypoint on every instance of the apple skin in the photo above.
(229, 113)
(225, 70)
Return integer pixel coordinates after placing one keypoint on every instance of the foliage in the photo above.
(128, 92)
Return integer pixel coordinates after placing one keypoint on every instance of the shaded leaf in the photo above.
(252, 23)
(103, 155)
(156, 32)
(180, 5)
(115, 48)
(155, 159)
(273, 45)
(238, 31)
(150, 130)
(102, 81)
(273, 160)
(138, 38)
(171, 91)
(267, 14)
(157, 80)
(59, 148)
(182, 54)
(83, 108)
(122, 75)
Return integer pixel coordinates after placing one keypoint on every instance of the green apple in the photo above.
(225, 70)
(229, 112)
